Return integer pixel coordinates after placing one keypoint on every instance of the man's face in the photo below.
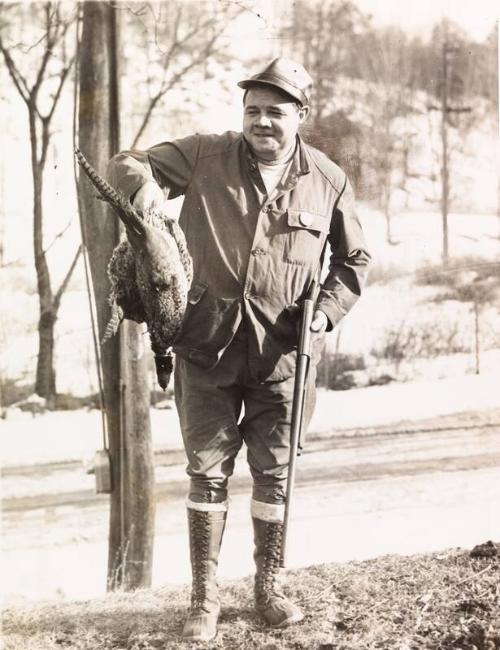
(271, 121)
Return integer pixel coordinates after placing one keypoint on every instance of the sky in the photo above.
(477, 17)
(255, 34)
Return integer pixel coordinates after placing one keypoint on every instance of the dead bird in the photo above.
(150, 273)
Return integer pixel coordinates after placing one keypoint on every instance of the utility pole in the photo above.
(124, 361)
(446, 110)
(444, 141)
(498, 141)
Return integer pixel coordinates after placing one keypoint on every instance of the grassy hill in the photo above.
(445, 601)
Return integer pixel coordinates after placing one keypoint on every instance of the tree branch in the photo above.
(177, 23)
(162, 92)
(175, 43)
(56, 31)
(58, 236)
(201, 58)
(137, 12)
(46, 54)
(26, 50)
(16, 76)
(67, 278)
(147, 115)
(45, 141)
(62, 78)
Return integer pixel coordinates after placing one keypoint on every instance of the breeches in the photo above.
(210, 404)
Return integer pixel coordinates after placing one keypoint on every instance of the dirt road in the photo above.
(359, 495)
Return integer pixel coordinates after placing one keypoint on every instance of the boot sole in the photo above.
(198, 637)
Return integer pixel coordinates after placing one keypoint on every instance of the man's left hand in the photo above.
(319, 322)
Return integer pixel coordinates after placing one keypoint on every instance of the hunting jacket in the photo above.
(254, 256)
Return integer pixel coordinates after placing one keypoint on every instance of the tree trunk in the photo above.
(45, 382)
(125, 375)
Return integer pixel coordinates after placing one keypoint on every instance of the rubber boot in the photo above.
(270, 602)
(206, 528)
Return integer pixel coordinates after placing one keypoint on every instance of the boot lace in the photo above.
(200, 528)
(267, 578)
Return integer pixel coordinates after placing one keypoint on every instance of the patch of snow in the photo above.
(76, 435)
(347, 521)
(70, 435)
(379, 405)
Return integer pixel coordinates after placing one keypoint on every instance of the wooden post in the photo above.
(477, 345)
(124, 360)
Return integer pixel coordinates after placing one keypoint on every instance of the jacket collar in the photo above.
(303, 166)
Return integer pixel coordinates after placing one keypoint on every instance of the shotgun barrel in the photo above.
(299, 391)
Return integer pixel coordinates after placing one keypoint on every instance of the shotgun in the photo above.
(299, 391)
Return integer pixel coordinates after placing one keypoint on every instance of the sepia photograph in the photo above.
(250, 324)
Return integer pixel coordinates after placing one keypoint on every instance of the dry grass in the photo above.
(448, 601)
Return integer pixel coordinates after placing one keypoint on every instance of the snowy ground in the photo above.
(76, 435)
(346, 521)
(418, 242)
(59, 551)
(387, 494)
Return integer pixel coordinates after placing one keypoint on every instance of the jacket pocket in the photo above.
(313, 221)
(196, 292)
(209, 321)
(306, 233)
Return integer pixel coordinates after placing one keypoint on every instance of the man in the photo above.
(259, 208)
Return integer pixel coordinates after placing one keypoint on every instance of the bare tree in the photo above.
(176, 43)
(389, 102)
(323, 35)
(40, 86)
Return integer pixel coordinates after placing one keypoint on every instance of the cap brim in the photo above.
(289, 89)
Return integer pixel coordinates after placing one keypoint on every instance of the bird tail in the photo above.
(113, 323)
(118, 202)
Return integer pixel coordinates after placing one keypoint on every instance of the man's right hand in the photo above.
(149, 196)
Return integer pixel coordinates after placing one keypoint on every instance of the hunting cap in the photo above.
(285, 74)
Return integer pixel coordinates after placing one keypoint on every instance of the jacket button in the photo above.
(248, 295)
(306, 219)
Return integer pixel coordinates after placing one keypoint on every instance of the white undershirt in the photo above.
(272, 174)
